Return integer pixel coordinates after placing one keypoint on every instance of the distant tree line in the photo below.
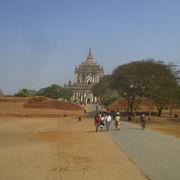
(53, 91)
(135, 81)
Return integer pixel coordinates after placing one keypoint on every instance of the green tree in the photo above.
(55, 91)
(164, 86)
(104, 92)
(50, 91)
(25, 93)
(178, 95)
(145, 78)
(66, 93)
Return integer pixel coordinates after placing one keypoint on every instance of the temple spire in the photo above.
(90, 59)
(90, 54)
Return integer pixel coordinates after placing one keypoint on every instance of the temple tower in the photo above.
(86, 75)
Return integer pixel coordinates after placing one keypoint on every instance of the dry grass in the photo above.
(43, 102)
(166, 125)
(37, 107)
(170, 126)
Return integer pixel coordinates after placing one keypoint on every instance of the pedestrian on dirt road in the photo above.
(102, 123)
(108, 121)
(117, 120)
(97, 120)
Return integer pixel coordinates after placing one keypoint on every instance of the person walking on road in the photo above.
(102, 121)
(117, 120)
(97, 120)
(108, 121)
(143, 121)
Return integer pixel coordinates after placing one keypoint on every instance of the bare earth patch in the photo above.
(60, 148)
(51, 144)
(171, 128)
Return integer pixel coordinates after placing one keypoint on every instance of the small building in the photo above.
(87, 74)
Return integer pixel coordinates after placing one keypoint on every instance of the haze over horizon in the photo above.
(41, 41)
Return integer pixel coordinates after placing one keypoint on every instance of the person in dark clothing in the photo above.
(143, 121)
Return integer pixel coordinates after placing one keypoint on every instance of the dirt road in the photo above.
(60, 149)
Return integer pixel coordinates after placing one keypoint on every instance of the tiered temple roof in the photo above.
(87, 74)
(89, 65)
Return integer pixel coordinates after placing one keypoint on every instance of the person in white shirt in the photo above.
(102, 123)
(108, 121)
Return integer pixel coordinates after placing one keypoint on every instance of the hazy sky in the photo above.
(41, 41)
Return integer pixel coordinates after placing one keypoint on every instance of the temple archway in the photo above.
(88, 100)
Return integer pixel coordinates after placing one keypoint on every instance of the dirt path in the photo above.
(60, 149)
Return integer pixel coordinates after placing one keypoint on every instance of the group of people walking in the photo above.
(104, 119)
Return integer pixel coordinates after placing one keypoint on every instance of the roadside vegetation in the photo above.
(137, 81)
(54, 91)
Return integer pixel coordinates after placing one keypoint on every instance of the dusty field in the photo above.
(59, 148)
(163, 125)
(51, 144)
(166, 126)
(19, 107)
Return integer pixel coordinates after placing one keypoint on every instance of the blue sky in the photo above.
(41, 41)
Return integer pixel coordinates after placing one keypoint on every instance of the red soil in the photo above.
(43, 102)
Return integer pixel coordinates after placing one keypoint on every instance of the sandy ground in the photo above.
(51, 144)
(60, 148)
(172, 129)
